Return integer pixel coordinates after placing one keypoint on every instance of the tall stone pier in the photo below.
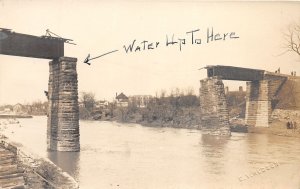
(214, 112)
(262, 98)
(258, 104)
(63, 110)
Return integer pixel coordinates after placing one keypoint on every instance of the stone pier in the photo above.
(262, 98)
(214, 112)
(63, 110)
(258, 104)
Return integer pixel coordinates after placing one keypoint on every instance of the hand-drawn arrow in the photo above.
(87, 59)
(202, 68)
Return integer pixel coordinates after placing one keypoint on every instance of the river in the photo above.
(130, 156)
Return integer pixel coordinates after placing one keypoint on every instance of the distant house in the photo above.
(7, 110)
(18, 108)
(122, 100)
(102, 104)
(141, 101)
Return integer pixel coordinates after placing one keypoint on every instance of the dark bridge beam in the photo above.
(235, 73)
(17, 44)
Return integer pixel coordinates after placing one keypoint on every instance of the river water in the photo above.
(115, 155)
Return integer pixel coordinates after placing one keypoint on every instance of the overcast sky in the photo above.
(98, 27)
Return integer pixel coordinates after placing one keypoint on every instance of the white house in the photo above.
(140, 100)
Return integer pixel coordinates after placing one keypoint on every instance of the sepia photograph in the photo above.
(141, 94)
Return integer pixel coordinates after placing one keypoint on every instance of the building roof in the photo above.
(102, 101)
(121, 96)
(18, 104)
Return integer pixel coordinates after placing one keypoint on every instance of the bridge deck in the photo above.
(17, 44)
(235, 73)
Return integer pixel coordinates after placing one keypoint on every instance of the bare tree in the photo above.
(292, 38)
(163, 93)
(189, 91)
(88, 100)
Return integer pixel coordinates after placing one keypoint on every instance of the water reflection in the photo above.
(213, 153)
(67, 161)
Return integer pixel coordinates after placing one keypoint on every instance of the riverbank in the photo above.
(158, 124)
(188, 118)
(276, 128)
(14, 116)
(19, 168)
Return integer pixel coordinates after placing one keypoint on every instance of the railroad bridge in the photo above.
(261, 97)
(63, 111)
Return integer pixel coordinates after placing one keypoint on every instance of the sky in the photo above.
(98, 27)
